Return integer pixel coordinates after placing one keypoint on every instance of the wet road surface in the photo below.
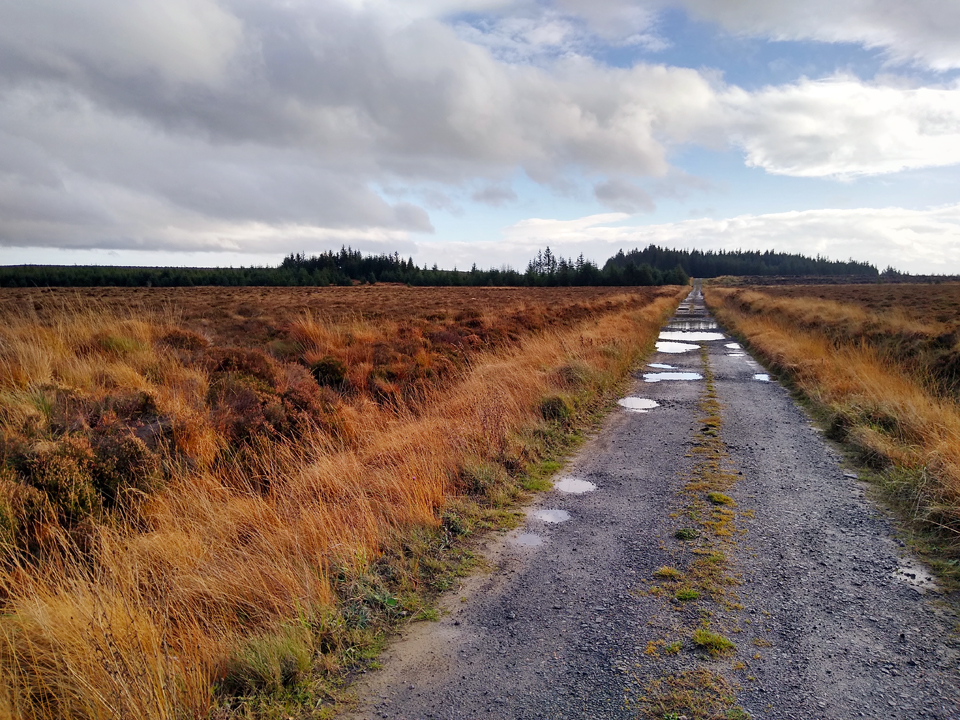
(829, 617)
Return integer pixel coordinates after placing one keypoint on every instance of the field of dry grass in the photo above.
(213, 501)
(883, 361)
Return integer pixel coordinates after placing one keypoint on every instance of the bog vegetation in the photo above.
(213, 502)
(883, 362)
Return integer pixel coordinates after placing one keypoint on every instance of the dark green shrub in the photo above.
(329, 372)
(556, 408)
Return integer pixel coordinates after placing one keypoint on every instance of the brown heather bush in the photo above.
(185, 521)
(879, 375)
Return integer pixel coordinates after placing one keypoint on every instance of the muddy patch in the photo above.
(527, 540)
(916, 576)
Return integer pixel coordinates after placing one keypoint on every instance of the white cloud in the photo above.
(199, 124)
(844, 127)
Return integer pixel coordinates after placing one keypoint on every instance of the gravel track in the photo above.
(834, 620)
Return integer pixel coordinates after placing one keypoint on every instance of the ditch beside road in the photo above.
(718, 515)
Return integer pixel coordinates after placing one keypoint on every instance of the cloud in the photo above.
(926, 32)
(843, 127)
(623, 196)
(495, 195)
(203, 124)
(920, 241)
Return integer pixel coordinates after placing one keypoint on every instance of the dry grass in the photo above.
(185, 520)
(886, 377)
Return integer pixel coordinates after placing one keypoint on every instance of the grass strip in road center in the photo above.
(686, 673)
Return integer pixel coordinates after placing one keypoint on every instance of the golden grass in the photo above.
(140, 606)
(887, 406)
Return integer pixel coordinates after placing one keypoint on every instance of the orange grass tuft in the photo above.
(267, 493)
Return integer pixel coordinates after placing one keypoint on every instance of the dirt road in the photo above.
(718, 516)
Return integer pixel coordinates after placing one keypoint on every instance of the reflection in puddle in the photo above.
(527, 540)
(764, 377)
(662, 366)
(675, 347)
(691, 325)
(915, 574)
(637, 404)
(736, 354)
(657, 377)
(732, 346)
(574, 486)
(552, 516)
(691, 336)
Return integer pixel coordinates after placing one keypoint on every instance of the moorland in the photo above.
(215, 502)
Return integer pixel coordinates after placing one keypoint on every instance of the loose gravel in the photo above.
(834, 620)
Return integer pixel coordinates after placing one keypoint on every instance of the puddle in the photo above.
(675, 347)
(736, 354)
(574, 486)
(661, 366)
(527, 540)
(692, 325)
(691, 336)
(916, 575)
(657, 377)
(763, 377)
(637, 404)
(733, 346)
(552, 516)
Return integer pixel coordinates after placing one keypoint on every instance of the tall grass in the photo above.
(891, 408)
(242, 562)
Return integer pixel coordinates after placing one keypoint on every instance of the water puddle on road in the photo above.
(733, 346)
(636, 404)
(527, 540)
(762, 377)
(574, 486)
(661, 366)
(683, 335)
(675, 347)
(915, 575)
(552, 516)
(692, 325)
(736, 354)
(657, 377)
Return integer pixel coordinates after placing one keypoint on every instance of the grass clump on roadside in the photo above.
(879, 366)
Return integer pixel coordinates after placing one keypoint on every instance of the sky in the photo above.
(234, 132)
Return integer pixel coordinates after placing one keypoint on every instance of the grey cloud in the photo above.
(247, 112)
(495, 195)
(623, 196)
(923, 31)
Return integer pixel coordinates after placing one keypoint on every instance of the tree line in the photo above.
(651, 266)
